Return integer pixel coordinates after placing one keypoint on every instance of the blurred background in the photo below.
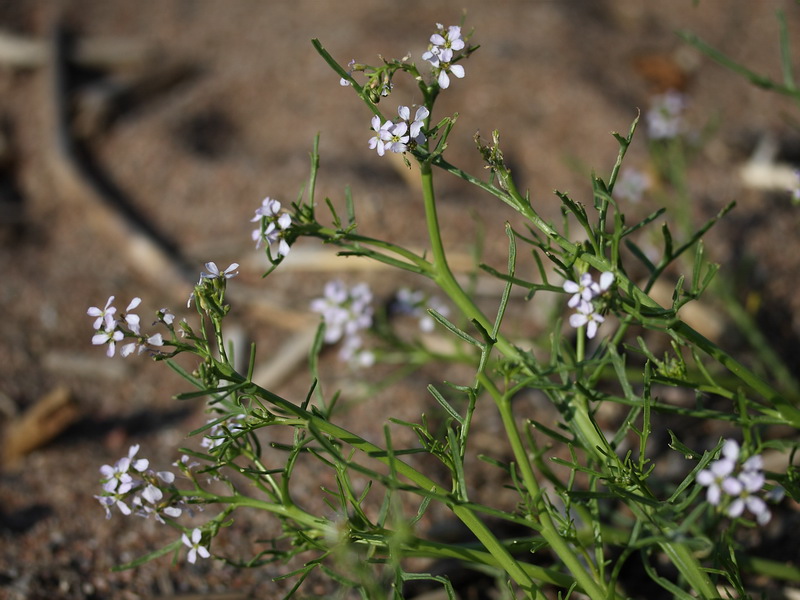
(137, 138)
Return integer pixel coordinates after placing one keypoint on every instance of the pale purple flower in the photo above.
(344, 311)
(382, 135)
(587, 316)
(141, 345)
(398, 138)
(274, 225)
(110, 337)
(105, 314)
(214, 272)
(131, 319)
(734, 492)
(750, 482)
(448, 39)
(415, 126)
(664, 119)
(582, 291)
(441, 40)
(442, 62)
(115, 499)
(194, 545)
(165, 316)
(118, 478)
(717, 478)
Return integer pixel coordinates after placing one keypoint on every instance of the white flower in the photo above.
(165, 316)
(118, 478)
(582, 290)
(717, 479)
(441, 40)
(749, 482)
(664, 117)
(141, 345)
(398, 139)
(214, 272)
(131, 319)
(382, 135)
(415, 126)
(344, 311)
(274, 224)
(441, 62)
(105, 314)
(586, 315)
(194, 545)
(734, 493)
(110, 337)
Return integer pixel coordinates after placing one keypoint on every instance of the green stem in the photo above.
(462, 512)
(587, 431)
(585, 574)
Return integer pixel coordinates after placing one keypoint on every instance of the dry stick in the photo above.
(147, 252)
(42, 422)
(22, 52)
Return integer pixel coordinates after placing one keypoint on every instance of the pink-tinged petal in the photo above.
(754, 463)
(722, 467)
(705, 478)
(203, 552)
(127, 349)
(732, 486)
(736, 508)
(591, 329)
(713, 495)
(577, 320)
(730, 450)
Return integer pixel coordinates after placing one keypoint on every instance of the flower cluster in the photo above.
(444, 43)
(346, 312)
(130, 481)
(110, 330)
(735, 489)
(274, 226)
(416, 303)
(664, 119)
(399, 136)
(583, 292)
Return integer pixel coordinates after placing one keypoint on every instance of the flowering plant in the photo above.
(578, 520)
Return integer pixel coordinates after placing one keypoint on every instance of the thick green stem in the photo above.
(585, 575)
